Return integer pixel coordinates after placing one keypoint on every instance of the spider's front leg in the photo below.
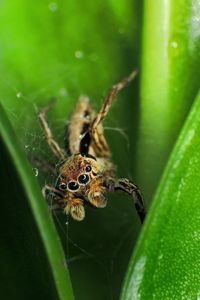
(54, 197)
(95, 131)
(125, 185)
(55, 148)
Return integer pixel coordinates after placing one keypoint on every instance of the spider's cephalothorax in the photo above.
(81, 179)
(87, 174)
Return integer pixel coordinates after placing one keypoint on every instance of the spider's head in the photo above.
(82, 175)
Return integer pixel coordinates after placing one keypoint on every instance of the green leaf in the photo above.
(169, 82)
(29, 242)
(167, 258)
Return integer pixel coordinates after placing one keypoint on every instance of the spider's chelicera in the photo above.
(87, 174)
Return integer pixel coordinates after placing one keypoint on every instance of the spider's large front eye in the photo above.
(73, 186)
(84, 178)
(62, 186)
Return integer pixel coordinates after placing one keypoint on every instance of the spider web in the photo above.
(77, 248)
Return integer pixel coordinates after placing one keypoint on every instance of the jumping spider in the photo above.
(87, 174)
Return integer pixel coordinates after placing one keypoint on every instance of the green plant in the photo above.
(66, 49)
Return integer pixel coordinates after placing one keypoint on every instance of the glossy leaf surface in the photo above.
(167, 258)
(169, 82)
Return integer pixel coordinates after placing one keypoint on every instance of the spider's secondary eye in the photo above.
(73, 186)
(84, 178)
(62, 186)
(88, 169)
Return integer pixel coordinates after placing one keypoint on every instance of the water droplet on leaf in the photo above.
(79, 54)
(174, 44)
(53, 6)
(19, 95)
(35, 171)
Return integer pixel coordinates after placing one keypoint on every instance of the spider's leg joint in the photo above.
(125, 185)
(55, 148)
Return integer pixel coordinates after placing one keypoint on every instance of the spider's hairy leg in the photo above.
(125, 185)
(54, 197)
(75, 208)
(55, 148)
(106, 106)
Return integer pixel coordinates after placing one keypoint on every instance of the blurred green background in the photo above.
(64, 49)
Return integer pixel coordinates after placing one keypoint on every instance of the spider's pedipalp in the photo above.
(75, 208)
